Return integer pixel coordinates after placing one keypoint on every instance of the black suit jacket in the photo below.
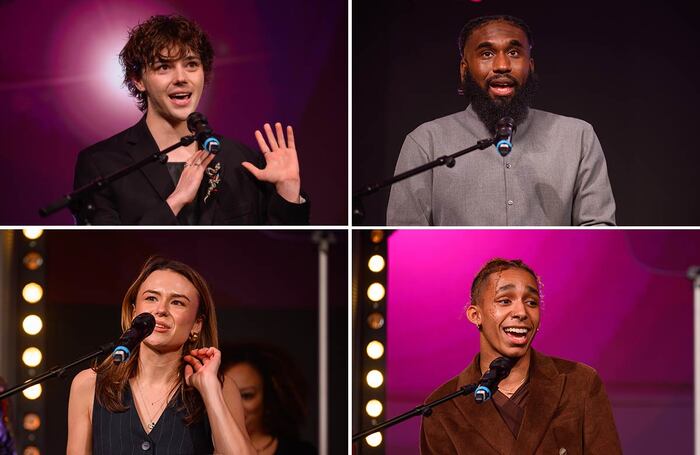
(139, 198)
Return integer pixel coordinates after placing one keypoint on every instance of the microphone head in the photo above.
(195, 121)
(503, 364)
(144, 323)
(505, 128)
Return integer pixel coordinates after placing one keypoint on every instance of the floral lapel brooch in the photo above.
(214, 180)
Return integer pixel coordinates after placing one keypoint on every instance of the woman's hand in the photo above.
(281, 162)
(202, 368)
(190, 180)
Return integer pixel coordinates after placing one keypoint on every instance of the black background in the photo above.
(628, 68)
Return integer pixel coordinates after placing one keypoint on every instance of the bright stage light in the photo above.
(374, 408)
(32, 233)
(33, 392)
(32, 324)
(374, 439)
(376, 292)
(32, 292)
(31, 421)
(376, 263)
(375, 378)
(31, 357)
(375, 349)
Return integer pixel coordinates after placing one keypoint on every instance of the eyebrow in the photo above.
(150, 291)
(508, 287)
(489, 44)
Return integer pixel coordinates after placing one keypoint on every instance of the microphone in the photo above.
(498, 370)
(199, 126)
(505, 129)
(141, 327)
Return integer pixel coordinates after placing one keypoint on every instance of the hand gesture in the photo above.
(202, 367)
(190, 179)
(281, 162)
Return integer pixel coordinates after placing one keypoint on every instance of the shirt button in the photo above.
(508, 166)
(510, 202)
(146, 445)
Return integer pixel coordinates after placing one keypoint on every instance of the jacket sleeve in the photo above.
(410, 200)
(599, 431)
(104, 208)
(433, 438)
(593, 198)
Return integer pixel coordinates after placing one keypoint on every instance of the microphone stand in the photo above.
(57, 371)
(78, 200)
(426, 410)
(358, 212)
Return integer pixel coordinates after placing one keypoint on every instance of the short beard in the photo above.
(490, 111)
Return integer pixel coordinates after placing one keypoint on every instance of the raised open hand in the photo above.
(281, 162)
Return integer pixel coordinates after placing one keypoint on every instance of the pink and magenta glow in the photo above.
(618, 301)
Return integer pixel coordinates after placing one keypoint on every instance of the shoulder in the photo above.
(84, 382)
(548, 119)
(444, 389)
(450, 122)
(111, 144)
(577, 374)
(236, 151)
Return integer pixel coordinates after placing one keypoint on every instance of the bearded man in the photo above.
(556, 174)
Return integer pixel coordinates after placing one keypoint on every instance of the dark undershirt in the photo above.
(512, 409)
(189, 213)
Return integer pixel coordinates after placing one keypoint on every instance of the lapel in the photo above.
(484, 418)
(545, 392)
(141, 144)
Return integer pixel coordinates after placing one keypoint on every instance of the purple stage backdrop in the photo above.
(616, 300)
(275, 61)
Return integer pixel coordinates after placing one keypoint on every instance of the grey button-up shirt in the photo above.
(556, 175)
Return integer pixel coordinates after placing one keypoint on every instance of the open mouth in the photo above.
(161, 327)
(181, 99)
(517, 335)
(502, 87)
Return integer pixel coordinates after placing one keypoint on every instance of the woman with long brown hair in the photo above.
(168, 396)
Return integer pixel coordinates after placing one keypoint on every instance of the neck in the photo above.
(517, 374)
(155, 367)
(165, 132)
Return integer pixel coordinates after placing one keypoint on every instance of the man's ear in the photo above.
(139, 85)
(473, 315)
(532, 65)
(463, 68)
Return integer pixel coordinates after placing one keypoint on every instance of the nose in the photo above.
(501, 63)
(162, 308)
(518, 310)
(180, 74)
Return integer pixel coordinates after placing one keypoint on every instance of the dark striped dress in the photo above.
(122, 433)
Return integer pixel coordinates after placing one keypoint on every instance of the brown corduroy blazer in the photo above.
(567, 413)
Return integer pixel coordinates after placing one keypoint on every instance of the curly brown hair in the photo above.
(175, 35)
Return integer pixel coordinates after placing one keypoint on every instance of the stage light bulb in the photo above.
(374, 439)
(33, 260)
(375, 321)
(31, 357)
(32, 292)
(32, 324)
(376, 236)
(374, 408)
(375, 349)
(31, 421)
(375, 292)
(33, 392)
(376, 263)
(32, 233)
(375, 378)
